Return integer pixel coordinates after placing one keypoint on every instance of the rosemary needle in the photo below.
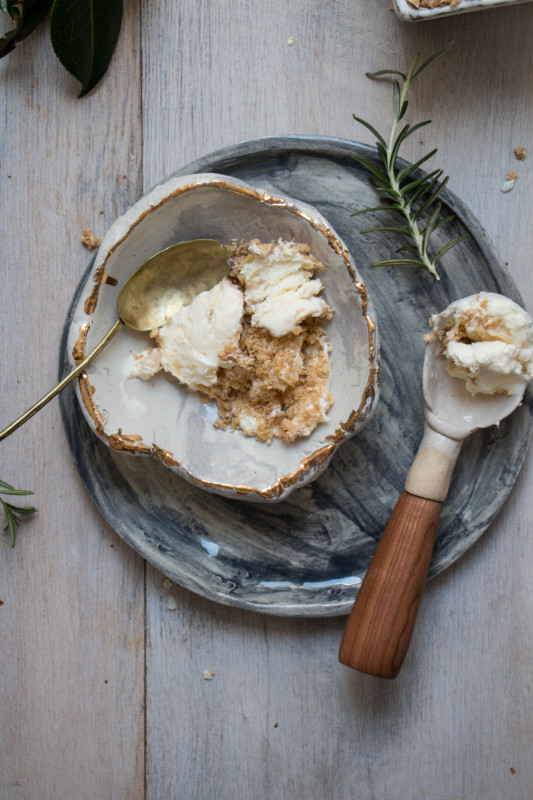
(414, 199)
(11, 511)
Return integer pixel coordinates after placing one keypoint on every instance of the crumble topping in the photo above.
(89, 239)
(433, 3)
(487, 341)
(254, 343)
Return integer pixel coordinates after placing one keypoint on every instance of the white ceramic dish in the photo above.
(159, 418)
(408, 13)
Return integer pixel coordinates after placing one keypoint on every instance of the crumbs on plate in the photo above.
(89, 239)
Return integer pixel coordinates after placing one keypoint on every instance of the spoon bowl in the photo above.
(170, 280)
(449, 407)
(163, 284)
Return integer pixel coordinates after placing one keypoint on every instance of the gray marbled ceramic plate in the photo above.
(306, 556)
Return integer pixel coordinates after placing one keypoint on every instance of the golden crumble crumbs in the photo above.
(520, 153)
(276, 386)
(433, 3)
(89, 239)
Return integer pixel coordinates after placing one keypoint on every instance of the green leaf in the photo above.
(371, 128)
(21, 510)
(418, 189)
(84, 34)
(382, 72)
(390, 229)
(370, 167)
(432, 58)
(376, 208)
(396, 98)
(406, 171)
(12, 512)
(448, 246)
(403, 110)
(430, 226)
(27, 15)
(431, 199)
(400, 262)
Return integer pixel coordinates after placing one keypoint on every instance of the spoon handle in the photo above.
(61, 385)
(380, 625)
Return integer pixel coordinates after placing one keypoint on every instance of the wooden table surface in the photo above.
(102, 689)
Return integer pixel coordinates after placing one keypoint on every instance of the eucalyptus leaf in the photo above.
(84, 34)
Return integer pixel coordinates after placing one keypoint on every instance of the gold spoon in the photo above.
(165, 282)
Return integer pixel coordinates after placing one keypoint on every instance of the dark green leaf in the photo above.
(382, 152)
(400, 262)
(408, 248)
(12, 512)
(432, 58)
(443, 221)
(418, 189)
(431, 199)
(410, 168)
(430, 225)
(11, 525)
(403, 109)
(404, 133)
(390, 229)
(21, 510)
(396, 98)
(370, 167)
(376, 208)
(371, 128)
(448, 246)
(27, 15)
(382, 72)
(84, 34)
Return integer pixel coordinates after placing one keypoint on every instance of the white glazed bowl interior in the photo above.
(163, 419)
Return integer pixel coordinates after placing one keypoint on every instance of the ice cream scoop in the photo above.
(378, 632)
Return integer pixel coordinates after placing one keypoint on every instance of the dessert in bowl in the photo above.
(216, 431)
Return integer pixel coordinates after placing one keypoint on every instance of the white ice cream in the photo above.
(280, 291)
(487, 340)
(193, 345)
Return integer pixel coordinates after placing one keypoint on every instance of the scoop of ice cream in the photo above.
(197, 340)
(280, 290)
(487, 340)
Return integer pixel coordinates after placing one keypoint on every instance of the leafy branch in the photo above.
(83, 33)
(414, 199)
(13, 512)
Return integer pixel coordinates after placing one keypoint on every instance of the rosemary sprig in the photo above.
(413, 199)
(13, 512)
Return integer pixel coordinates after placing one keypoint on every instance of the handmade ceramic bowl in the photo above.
(408, 12)
(160, 418)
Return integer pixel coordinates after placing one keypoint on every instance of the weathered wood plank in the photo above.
(281, 718)
(72, 619)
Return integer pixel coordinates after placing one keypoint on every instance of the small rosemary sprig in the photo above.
(12, 512)
(414, 199)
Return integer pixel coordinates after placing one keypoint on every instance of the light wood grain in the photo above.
(72, 619)
(281, 718)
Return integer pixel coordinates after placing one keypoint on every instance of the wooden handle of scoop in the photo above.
(380, 625)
